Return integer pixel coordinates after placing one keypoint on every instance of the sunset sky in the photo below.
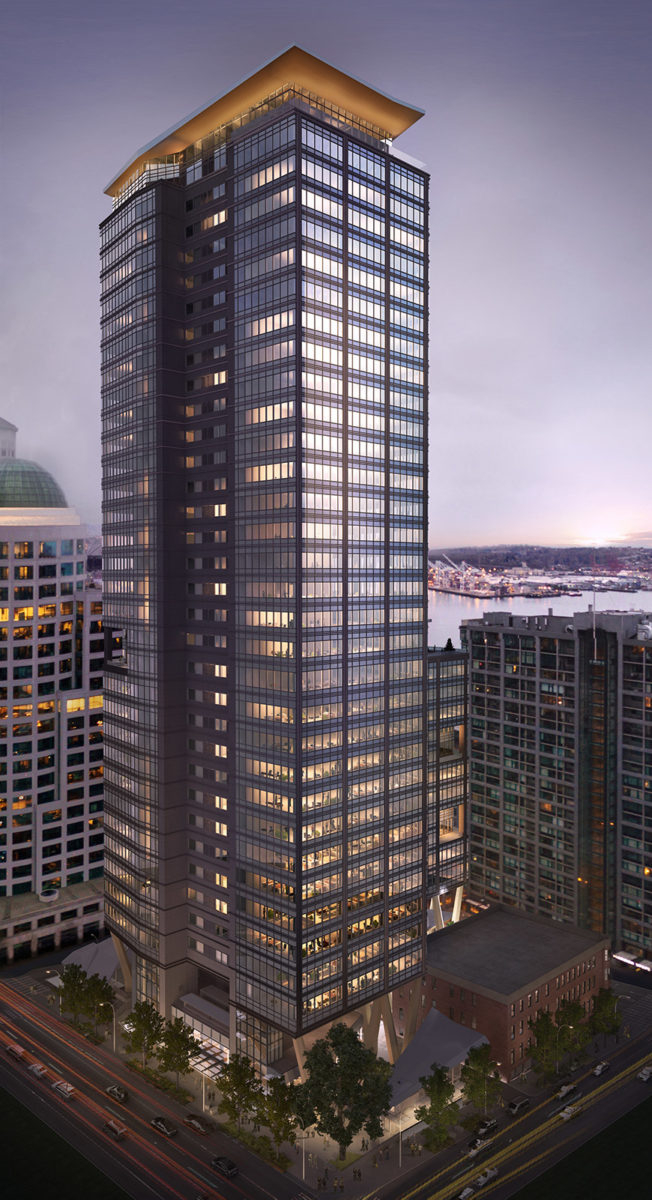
(537, 132)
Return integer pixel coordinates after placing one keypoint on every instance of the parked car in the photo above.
(516, 1107)
(485, 1177)
(566, 1089)
(117, 1093)
(488, 1125)
(600, 1068)
(162, 1125)
(224, 1166)
(197, 1124)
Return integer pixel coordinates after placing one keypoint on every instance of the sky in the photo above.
(537, 132)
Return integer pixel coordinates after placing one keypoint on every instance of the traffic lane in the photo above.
(138, 1179)
(65, 1053)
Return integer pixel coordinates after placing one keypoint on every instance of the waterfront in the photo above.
(446, 611)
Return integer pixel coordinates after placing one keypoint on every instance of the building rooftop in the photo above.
(504, 951)
(293, 68)
(24, 484)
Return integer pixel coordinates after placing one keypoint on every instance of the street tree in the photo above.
(98, 997)
(240, 1088)
(439, 1114)
(573, 1032)
(277, 1111)
(543, 1049)
(480, 1077)
(605, 1018)
(146, 1029)
(73, 990)
(177, 1046)
(347, 1088)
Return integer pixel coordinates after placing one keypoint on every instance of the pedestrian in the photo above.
(325, 1173)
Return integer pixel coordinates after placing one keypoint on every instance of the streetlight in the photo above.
(303, 1148)
(112, 1007)
(400, 1136)
(559, 1029)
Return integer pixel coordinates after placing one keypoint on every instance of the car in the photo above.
(645, 1074)
(516, 1107)
(489, 1125)
(485, 1177)
(197, 1124)
(162, 1125)
(465, 1194)
(566, 1089)
(600, 1068)
(115, 1130)
(568, 1112)
(224, 1166)
(117, 1093)
(575, 1066)
(478, 1145)
(38, 1069)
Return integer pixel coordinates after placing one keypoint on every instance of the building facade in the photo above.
(447, 780)
(264, 301)
(51, 659)
(560, 714)
(497, 971)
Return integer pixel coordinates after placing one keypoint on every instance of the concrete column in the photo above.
(299, 1044)
(385, 1010)
(123, 962)
(457, 903)
(435, 907)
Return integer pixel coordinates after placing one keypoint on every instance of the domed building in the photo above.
(51, 705)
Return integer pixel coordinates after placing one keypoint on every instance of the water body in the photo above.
(446, 612)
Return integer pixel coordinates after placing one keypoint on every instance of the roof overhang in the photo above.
(293, 66)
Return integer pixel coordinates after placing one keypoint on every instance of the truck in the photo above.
(66, 1090)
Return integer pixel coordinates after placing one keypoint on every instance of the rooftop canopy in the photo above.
(293, 67)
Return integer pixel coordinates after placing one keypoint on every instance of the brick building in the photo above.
(496, 971)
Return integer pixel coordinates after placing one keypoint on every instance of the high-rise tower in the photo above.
(264, 315)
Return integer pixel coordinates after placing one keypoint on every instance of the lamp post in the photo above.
(112, 1007)
(400, 1136)
(557, 1046)
(303, 1148)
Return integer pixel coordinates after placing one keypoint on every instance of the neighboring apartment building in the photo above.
(447, 780)
(496, 971)
(264, 317)
(51, 658)
(560, 760)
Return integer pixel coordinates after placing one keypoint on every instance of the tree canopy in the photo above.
(439, 1114)
(480, 1078)
(73, 990)
(347, 1088)
(146, 1029)
(605, 1018)
(177, 1047)
(240, 1088)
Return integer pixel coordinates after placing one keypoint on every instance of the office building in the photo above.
(51, 657)
(447, 782)
(560, 762)
(264, 284)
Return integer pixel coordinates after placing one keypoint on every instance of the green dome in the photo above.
(24, 484)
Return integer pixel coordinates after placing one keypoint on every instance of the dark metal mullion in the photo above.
(345, 566)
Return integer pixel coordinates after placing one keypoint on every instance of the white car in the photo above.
(645, 1073)
(601, 1067)
(568, 1112)
(486, 1177)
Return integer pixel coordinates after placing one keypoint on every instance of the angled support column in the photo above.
(299, 1044)
(457, 904)
(435, 908)
(123, 962)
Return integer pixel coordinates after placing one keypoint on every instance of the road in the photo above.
(145, 1165)
(524, 1148)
